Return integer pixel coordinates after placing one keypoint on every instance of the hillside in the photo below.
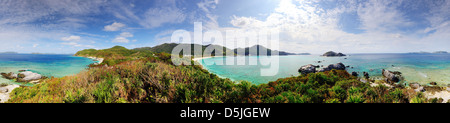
(114, 55)
(258, 48)
(169, 47)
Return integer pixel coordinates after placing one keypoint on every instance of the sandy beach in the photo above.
(4, 92)
(441, 94)
(100, 60)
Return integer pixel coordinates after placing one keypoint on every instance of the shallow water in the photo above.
(46, 65)
(422, 68)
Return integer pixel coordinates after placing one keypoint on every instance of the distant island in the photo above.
(436, 52)
(9, 53)
(303, 54)
(333, 54)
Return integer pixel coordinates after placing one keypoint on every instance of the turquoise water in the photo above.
(46, 65)
(421, 68)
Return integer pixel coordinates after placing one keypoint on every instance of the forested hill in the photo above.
(169, 47)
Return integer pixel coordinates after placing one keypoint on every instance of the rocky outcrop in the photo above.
(354, 74)
(392, 76)
(366, 75)
(333, 54)
(26, 76)
(433, 83)
(304, 70)
(417, 87)
(338, 66)
(10, 75)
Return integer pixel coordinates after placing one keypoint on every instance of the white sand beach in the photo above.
(441, 94)
(4, 92)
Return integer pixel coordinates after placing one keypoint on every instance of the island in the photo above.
(333, 54)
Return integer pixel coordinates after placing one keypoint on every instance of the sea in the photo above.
(45, 64)
(420, 68)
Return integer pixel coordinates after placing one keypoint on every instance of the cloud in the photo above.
(205, 5)
(75, 44)
(126, 34)
(71, 38)
(167, 12)
(122, 38)
(382, 15)
(35, 45)
(114, 27)
(306, 26)
(156, 17)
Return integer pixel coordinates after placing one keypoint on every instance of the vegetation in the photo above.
(135, 76)
(167, 48)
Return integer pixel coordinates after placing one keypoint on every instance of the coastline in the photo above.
(5, 91)
(99, 60)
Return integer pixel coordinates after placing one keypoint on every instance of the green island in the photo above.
(149, 76)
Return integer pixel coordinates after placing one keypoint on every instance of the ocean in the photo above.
(44, 64)
(421, 68)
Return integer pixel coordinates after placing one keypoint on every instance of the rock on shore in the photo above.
(338, 66)
(392, 76)
(26, 76)
(304, 70)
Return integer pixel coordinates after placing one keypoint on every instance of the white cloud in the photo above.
(381, 15)
(75, 44)
(205, 5)
(126, 34)
(71, 38)
(114, 27)
(306, 27)
(122, 38)
(156, 17)
(153, 17)
(35, 45)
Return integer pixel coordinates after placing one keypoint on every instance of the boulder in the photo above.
(366, 75)
(354, 74)
(28, 76)
(338, 66)
(10, 75)
(433, 83)
(304, 70)
(392, 76)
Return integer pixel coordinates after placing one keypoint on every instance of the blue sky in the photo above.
(315, 26)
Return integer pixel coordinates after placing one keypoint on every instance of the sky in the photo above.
(314, 26)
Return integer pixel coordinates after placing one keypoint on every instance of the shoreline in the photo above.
(197, 59)
(99, 60)
(5, 91)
